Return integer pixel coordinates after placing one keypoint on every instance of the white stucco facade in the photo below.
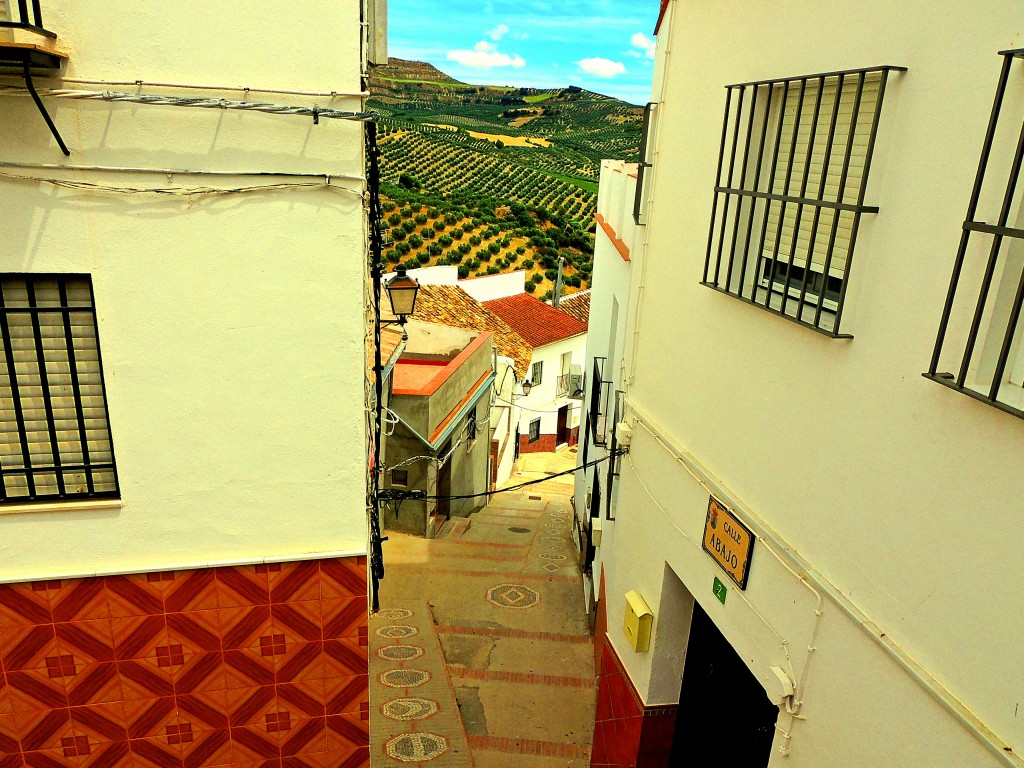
(231, 326)
(886, 508)
(545, 399)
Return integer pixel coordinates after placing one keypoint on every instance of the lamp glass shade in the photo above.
(527, 386)
(402, 291)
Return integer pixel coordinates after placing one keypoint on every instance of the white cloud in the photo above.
(498, 32)
(486, 56)
(602, 67)
(644, 43)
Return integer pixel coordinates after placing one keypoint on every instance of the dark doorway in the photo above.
(720, 700)
(562, 430)
(444, 484)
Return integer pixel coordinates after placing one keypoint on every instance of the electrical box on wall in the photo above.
(639, 619)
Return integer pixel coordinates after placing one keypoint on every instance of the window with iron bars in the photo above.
(54, 432)
(979, 350)
(600, 392)
(793, 168)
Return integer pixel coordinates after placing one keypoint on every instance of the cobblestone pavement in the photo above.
(482, 655)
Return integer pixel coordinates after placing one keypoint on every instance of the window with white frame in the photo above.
(55, 439)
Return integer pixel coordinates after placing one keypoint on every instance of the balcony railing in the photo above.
(22, 18)
(600, 394)
(562, 386)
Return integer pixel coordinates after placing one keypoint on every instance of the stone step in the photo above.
(453, 528)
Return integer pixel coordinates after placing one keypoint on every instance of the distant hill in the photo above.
(480, 148)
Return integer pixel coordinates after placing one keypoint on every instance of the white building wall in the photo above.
(489, 287)
(231, 326)
(543, 401)
(894, 498)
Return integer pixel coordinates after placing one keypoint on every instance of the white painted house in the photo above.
(820, 511)
(182, 430)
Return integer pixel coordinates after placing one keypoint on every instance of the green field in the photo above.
(551, 190)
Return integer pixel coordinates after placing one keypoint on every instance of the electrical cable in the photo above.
(203, 103)
(534, 410)
(174, 191)
(244, 89)
(179, 171)
(395, 494)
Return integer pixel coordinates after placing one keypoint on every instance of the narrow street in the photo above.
(481, 650)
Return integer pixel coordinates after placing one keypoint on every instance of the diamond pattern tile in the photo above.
(252, 667)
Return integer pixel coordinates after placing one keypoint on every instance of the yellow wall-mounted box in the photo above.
(639, 619)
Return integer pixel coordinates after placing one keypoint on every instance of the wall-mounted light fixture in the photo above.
(402, 291)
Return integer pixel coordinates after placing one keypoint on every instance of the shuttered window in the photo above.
(793, 168)
(54, 431)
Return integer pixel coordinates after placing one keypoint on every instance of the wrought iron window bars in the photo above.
(986, 369)
(32, 22)
(792, 175)
(55, 439)
(600, 393)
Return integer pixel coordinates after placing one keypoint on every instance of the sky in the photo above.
(606, 46)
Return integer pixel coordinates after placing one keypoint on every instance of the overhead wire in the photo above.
(225, 88)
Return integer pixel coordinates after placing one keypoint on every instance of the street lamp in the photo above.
(402, 291)
(527, 386)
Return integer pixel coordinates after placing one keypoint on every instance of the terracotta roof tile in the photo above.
(577, 305)
(538, 323)
(450, 305)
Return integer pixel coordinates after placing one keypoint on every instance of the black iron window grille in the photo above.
(54, 432)
(21, 18)
(650, 112)
(534, 431)
(980, 337)
(613, 460)
(537, 372)
(793, 169)
(600, 393)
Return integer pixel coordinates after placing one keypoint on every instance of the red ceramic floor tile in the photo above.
(604, 704)
(298, 621)
(145, 679)
(307, 760)
(51, 758)
(9, 741)
(343, 696)
(351, 758)
(306, 698)
(302, 661)
(110, 755)
(208, 748)
(253, 743)
(28, 647)
(101, 722)
(205, 711)
(132, 596)
(243, 626)
(342, 578)
(94, 684)
(20, 606)
(305, 737)
(343, 658)
(149, 718)
(200, 673)
(241, 586)
(138, 637)
(343, 617)
(43, 730)
(195, 631)
(33, 690)
(88, 641)
(346, 732)
(250, 705)
(79, 600)
(155, 753)
(247, 667)
(192, 591)
(5, 696)
(294, 582)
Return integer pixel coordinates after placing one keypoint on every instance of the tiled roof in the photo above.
(452, 306)
(390, 338)
(577, 305)
(538, 323)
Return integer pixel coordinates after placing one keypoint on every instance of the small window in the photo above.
(471, 427)
(400, 477)
(789, 194)
(54, 432)
(649, 129)
(536, 372)
(534, 431)
(979, 350)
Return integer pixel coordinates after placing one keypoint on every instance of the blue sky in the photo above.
(601, 45)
